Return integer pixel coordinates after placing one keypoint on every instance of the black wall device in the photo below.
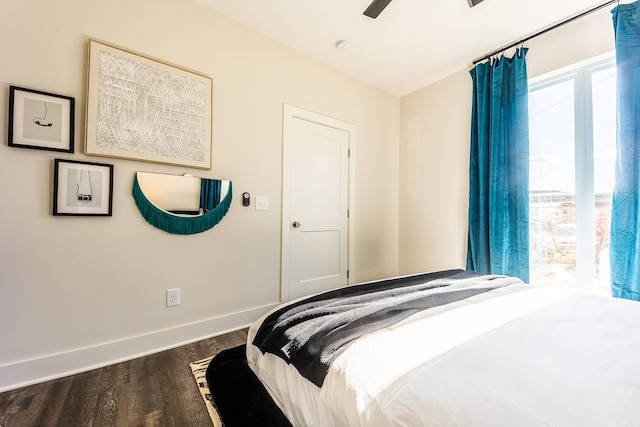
(246, 199)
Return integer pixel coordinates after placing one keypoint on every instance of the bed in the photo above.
(451, 348)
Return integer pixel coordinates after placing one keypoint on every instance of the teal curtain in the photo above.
(625, 218)
(499, 168)
(209, 193)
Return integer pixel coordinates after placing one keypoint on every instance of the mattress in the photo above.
(520, 355)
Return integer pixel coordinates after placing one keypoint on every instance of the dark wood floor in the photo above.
(155, 390)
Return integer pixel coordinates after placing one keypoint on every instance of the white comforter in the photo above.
(541, 357)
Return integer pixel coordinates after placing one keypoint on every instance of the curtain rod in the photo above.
(553, 27)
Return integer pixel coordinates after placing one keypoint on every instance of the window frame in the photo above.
(582, 76)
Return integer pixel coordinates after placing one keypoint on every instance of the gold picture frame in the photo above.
(144, 109)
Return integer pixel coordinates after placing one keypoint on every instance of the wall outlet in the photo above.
(173, 297)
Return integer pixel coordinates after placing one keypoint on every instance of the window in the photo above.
(572, 122)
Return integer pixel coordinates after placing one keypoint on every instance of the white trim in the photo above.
(561, 73)
(585, 198)
(581, 76)
(289, 113)
(27, 372)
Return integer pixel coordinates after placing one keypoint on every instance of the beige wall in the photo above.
(79, 291)
(434, 164)
(434, 154)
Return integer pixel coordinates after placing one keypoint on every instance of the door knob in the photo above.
(295, 224)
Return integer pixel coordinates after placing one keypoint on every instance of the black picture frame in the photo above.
(82, 188)
(41, 120)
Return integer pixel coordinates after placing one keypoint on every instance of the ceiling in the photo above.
(410, 45)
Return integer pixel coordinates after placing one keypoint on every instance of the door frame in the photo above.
(290, 113)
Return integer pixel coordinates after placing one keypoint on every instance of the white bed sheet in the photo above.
(541, 357)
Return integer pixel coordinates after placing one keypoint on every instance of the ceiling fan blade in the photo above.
(473, 2)
(376, 7)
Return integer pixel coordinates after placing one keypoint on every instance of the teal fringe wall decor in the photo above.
(176, 224)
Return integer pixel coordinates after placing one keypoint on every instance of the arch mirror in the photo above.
(181, 204)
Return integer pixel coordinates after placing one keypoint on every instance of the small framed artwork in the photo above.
(81, 188)
(144, 109)
(40, 120)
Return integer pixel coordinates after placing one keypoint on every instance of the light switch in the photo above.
(262, 203)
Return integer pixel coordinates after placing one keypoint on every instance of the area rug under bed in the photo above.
(233, 394)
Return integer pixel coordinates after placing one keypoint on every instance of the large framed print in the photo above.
(82, 188)
(144, 109)
(40, 120)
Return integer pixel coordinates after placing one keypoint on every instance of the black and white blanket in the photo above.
(311, 333)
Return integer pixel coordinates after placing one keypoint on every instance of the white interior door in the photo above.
(315, 203)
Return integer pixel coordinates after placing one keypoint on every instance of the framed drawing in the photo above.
(81, 188)
(143, 109)
(40, 120)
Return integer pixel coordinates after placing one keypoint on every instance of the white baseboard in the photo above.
(27, 372)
